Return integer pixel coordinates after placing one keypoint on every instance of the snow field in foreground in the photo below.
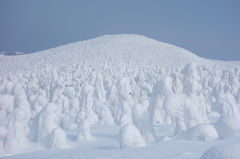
(105, 144)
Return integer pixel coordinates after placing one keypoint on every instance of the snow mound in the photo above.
(200, 132)
(130, 136)
(230, 151)
(227, 127)
(58, 139)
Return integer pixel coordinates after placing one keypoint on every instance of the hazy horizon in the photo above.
(208, 29)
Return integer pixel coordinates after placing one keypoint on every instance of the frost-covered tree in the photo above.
(125, 103)
(6, 108)
(49, 120)
(86, 117)
(191, 79)
(225, 102)
(21, 101)
(8, 87)
(161, 90)
(101, 107)
(17, 131)
(40, 102)
(142, 90)
(142, 121)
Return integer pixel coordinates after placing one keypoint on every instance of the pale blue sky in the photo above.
(208, 28)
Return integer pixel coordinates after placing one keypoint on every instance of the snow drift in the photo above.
(229, 151)
(200, 132)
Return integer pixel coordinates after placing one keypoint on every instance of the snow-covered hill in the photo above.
(121, 48)
(116, 92)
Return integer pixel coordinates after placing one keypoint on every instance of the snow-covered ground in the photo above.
(118, 96)
(106, 146)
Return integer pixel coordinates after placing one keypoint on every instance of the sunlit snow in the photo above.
(118, 96)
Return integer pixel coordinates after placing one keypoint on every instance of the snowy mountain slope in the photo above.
(115, 47)
(139, 92)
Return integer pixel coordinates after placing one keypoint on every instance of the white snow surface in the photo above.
(118, 96)
(227, 151)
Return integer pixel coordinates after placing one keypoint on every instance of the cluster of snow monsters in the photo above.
(202, 102)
